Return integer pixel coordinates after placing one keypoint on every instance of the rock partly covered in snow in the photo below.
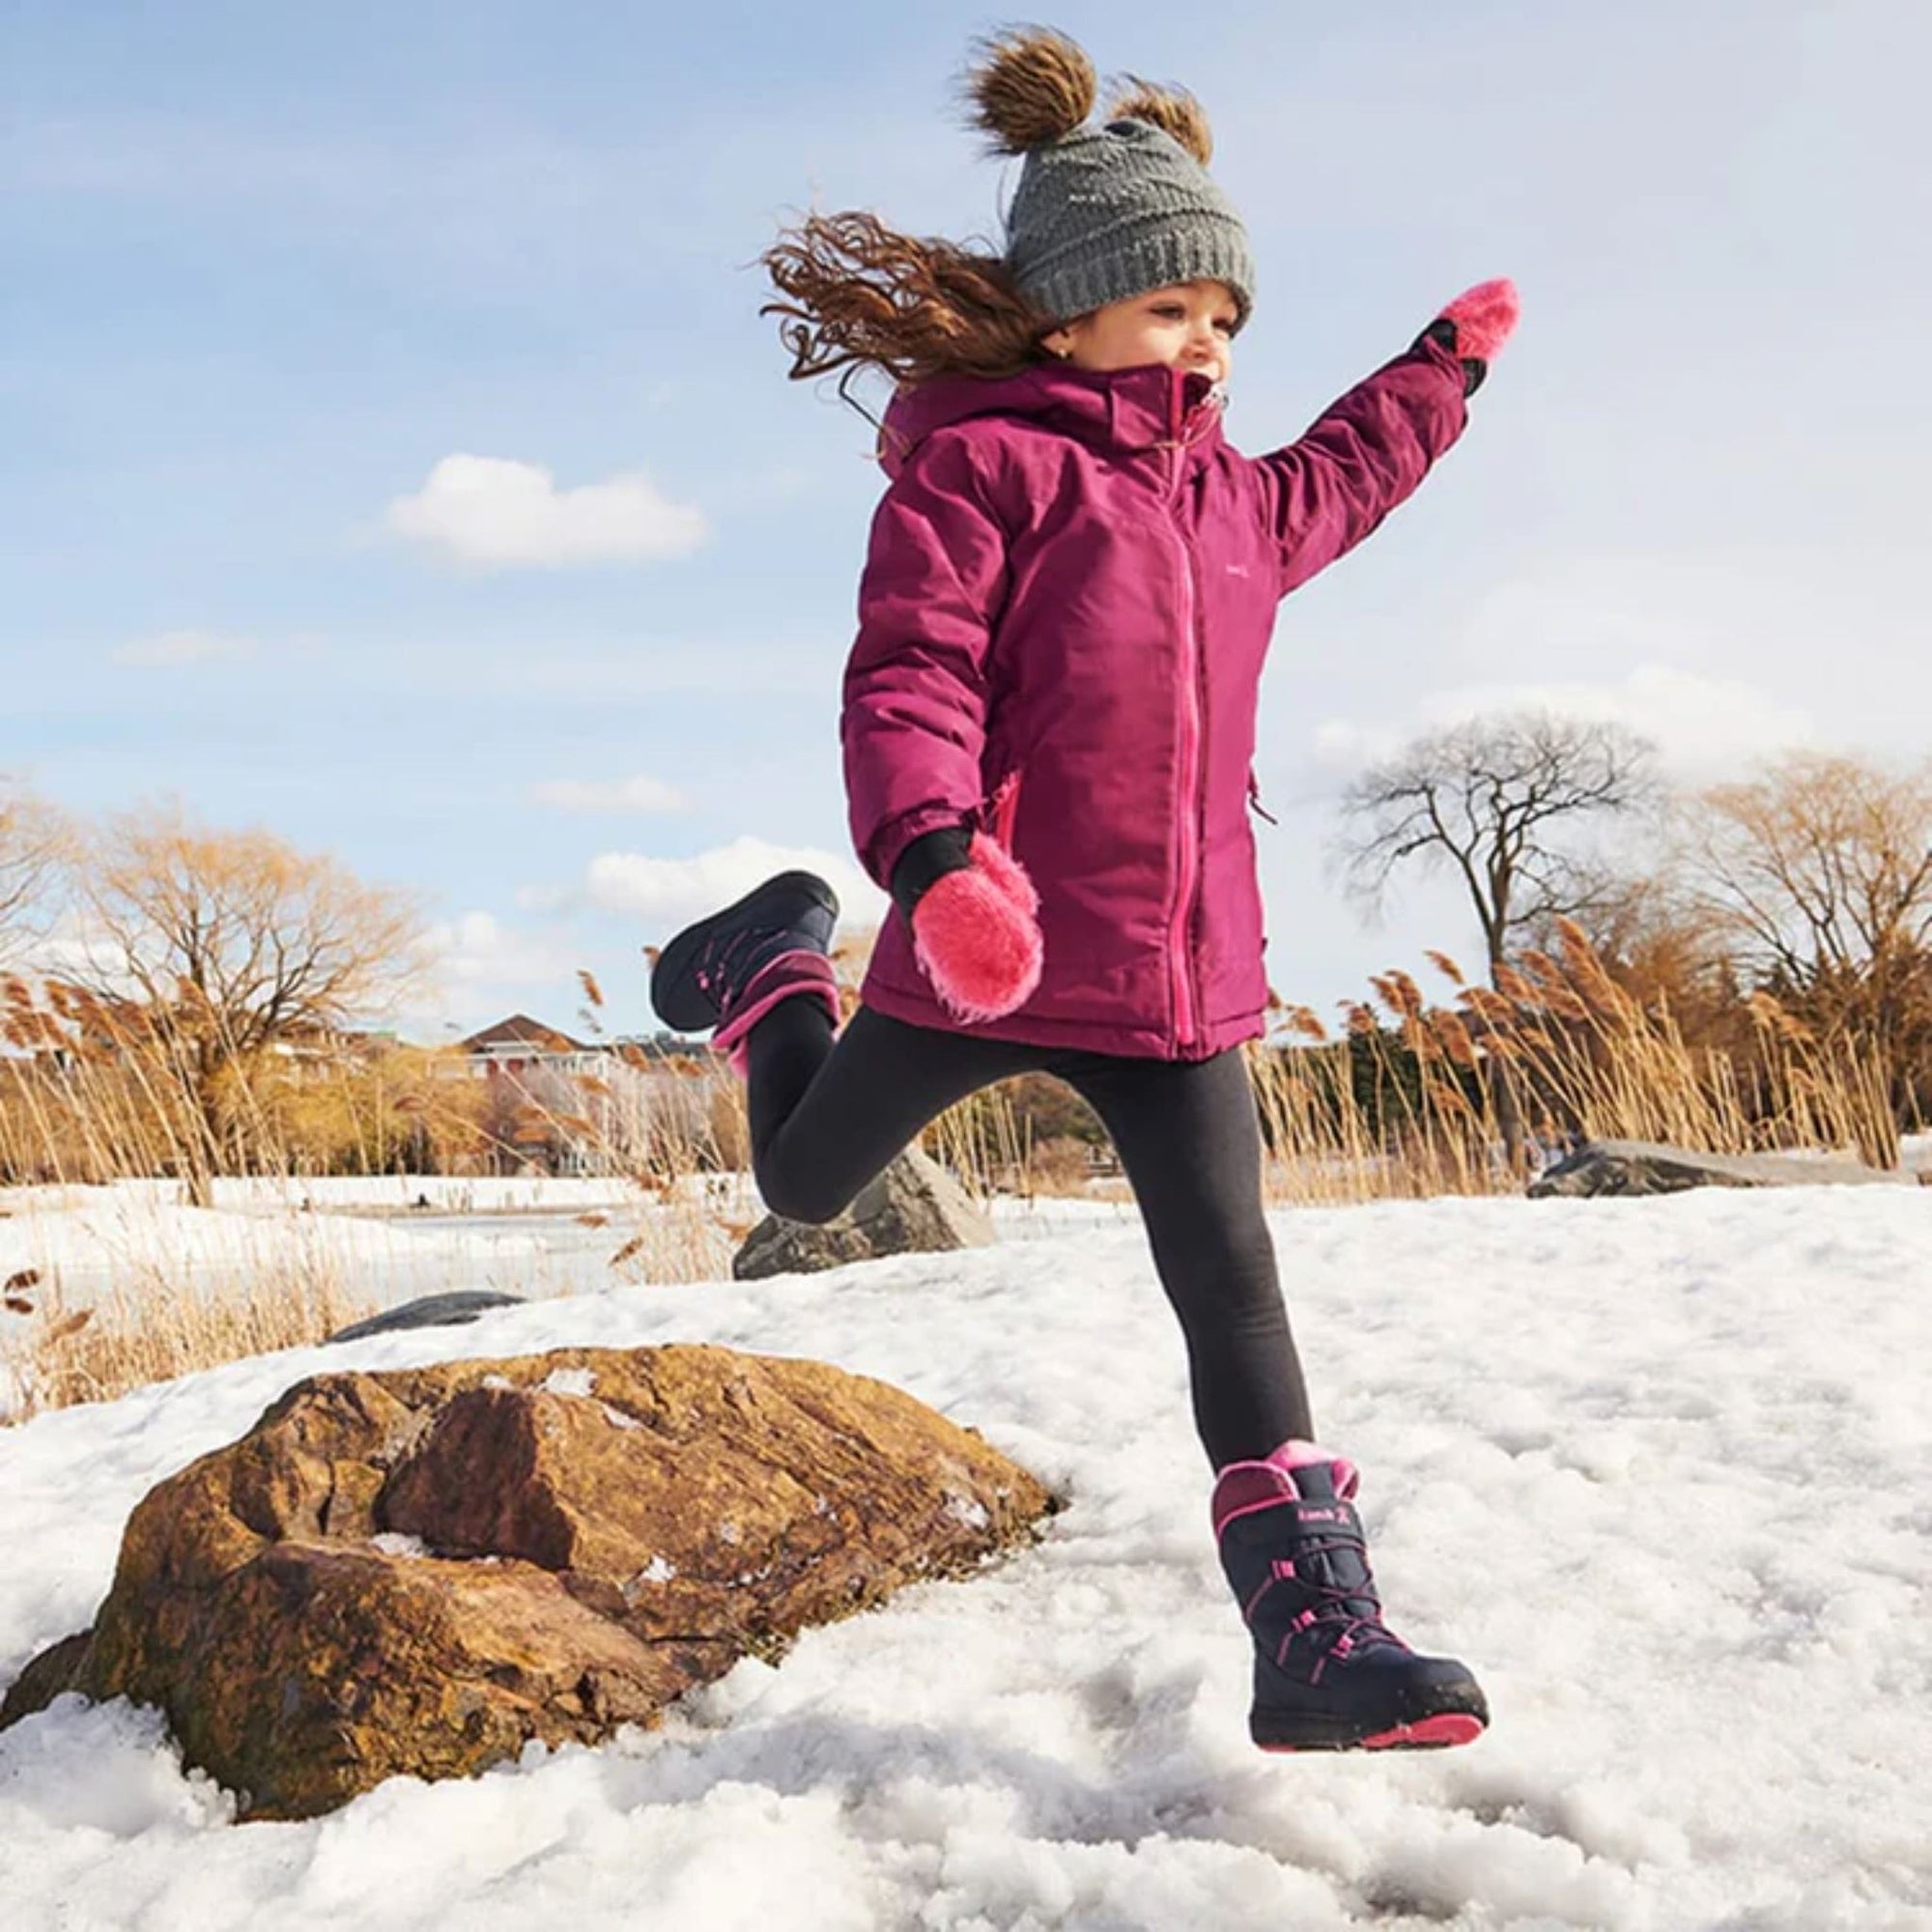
(914, 1206)
(421, 1571)
(1648, 1167)
(430, 1310)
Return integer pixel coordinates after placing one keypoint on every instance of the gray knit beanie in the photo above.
(1105, 212)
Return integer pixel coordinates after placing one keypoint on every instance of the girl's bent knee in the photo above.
(802, 1198)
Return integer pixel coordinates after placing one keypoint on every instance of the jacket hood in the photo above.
(1112, 410)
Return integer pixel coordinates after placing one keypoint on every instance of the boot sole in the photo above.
(674, 997)
(1439, 1733)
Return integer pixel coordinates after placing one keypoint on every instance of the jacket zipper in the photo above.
(1187, 867)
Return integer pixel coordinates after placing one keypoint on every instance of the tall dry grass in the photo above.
(93, 1091)
(1401, 1100)
(1404, 1102)
(149, 1326)
(1581, 1058)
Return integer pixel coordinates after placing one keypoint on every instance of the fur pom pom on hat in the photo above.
(1109, 212)
(1168, 108)
(1031, 86)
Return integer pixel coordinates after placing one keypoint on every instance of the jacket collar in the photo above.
(1118, 411)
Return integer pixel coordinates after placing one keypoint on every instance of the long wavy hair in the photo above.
(854, 294)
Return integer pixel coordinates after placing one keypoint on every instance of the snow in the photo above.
(1656, 1468)
(85, 1237)
(393, 1544)
(525, 1236)
(533, 1237)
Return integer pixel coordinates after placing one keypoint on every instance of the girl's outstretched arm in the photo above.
(1368, 451)
(914, 722)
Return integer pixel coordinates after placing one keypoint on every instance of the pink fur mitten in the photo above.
(1485, 317)
(975, 931)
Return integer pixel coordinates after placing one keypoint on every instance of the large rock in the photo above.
(914, 1206)
(422, 1570)
(1648, 1167)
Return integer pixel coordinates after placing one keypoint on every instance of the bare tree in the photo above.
(1504, 803)
(1820, 865)
(235, 945)
(1500, 803)
(33, 839)
(1819, 871)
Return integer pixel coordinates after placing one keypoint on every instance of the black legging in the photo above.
(826, 1118)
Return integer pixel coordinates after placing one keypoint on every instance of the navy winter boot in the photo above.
(1328, 1673)
(729, 970)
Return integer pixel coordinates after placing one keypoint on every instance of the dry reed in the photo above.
(147, 1327)
(1402, 1101)
(1401, 1108)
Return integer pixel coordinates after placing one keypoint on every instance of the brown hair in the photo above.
(853, 294)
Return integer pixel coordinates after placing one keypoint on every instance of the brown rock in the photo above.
(914, 1206)
(421, 1571)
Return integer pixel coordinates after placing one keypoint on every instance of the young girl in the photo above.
(1048, 728)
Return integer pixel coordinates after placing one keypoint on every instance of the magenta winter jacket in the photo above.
(1068, 596)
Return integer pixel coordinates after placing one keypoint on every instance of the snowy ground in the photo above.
(382, 1241)
(385, 1241)
(455, 1194)
(1657, 1469)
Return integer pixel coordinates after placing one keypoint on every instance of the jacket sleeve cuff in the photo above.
(881, 853)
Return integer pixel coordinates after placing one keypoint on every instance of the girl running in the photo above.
(1048, 732)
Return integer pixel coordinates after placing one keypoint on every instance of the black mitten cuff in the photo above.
(1443, 332)
(927, 860)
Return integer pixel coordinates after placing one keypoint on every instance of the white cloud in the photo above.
(495, 512)
(181, 647)
(637, 793)
(476, 951)
(1703, 726)
(666, 894)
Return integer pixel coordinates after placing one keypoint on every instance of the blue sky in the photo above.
(267, 268)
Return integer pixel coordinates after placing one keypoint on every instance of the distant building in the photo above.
(573, 1106)
(520, 1045)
